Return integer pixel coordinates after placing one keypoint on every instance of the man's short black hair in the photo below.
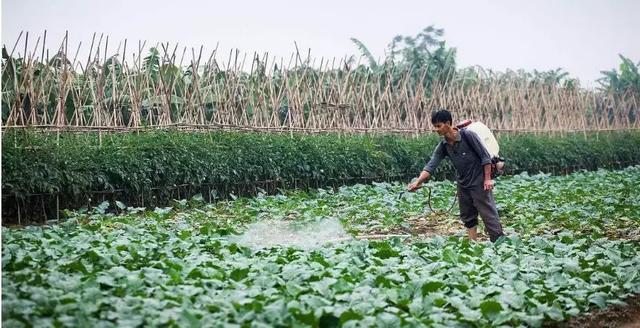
(441, 116)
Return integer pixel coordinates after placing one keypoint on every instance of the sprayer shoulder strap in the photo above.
(465, 137)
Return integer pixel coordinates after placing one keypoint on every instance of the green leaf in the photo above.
(121, 205)
(599, 299)
(239, 274)
(101, 209)
(490, 307)
(431, 286)
(552, 312)
(107, 280)
(76, 266)
(386, 319)
(450, 256)
(384, 250)
(188, 319)
(350, 315)
(302, 316)
(514, 300)
(469, 314)
(328, 321)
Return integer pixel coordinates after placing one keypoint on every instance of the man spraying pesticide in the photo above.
(474, 166)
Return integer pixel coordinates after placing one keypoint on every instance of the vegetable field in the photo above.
(572, 246)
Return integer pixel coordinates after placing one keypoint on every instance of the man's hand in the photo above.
(414, 186)
(488, 184)
(417, 183)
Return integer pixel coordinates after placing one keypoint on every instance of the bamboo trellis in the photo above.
(111, 93)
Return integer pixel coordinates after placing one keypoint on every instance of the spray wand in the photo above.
(439, 213)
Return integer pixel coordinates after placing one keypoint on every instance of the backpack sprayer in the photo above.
(488, 141)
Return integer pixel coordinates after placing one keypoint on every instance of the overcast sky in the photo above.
(581, 36)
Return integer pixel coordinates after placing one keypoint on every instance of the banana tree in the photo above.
(628, 80)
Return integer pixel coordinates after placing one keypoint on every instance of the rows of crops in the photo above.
(572, 247)
(150, 169)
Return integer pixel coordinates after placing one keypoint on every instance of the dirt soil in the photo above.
(431, 225)
(619, 316)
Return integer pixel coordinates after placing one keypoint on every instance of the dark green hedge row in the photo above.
(138, 162)
(75, 165)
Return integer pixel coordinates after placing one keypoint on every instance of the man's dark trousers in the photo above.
(475, 200)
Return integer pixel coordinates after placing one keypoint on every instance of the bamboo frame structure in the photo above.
(176, 91)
